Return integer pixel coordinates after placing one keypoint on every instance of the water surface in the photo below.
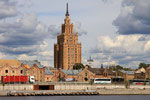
(106, 97)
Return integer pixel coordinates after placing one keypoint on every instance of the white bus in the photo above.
(101, 80)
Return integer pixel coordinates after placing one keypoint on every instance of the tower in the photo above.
(67, 50)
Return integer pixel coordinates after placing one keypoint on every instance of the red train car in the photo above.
(14, 79)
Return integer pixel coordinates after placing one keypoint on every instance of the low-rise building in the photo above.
(140, 74)
(89, 73)
(66, 75)
(34, 68)
(127, 75)
(148, 72)
(11, 68)
(49, 75)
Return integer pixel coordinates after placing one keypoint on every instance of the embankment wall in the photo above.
(11, 87)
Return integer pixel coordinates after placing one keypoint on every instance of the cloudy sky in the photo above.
(111, 31)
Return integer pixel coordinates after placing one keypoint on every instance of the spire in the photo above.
(67, 13)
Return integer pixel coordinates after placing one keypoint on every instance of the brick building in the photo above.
(67, 51)
(11, 68)
(34, 68)
(127, 75)
(140, 74)
(89, 73)
(148, 72)
(49, 75)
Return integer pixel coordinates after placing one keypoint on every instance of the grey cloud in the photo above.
(7, 9)
(25, 33)
(77, 28)
(142, 39)
(137, 20)
(53, 30)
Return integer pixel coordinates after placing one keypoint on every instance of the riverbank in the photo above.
(77, 92)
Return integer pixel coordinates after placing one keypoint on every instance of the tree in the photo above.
(118, 67)
(78, 66)
(144, 65)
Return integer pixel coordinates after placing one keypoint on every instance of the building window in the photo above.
(41, 72)
(86, 74)
(105, 74)
(47, 78)
(6, 71)
(13, 71)
(21, 71)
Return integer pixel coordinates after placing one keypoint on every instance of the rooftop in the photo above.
(99, 71)
(31, 63)
(48, 72)
(70, 71)
(13, 63)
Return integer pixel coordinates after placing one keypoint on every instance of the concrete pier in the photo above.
(76, 93)
(73, 89)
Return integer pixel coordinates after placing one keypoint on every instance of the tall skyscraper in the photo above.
(67, 51)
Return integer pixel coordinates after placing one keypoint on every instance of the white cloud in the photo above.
(26, 57)
(126, 50)
(47, 53)
(147, 46)
(2, 56)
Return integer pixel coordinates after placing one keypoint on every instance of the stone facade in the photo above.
(67, 51)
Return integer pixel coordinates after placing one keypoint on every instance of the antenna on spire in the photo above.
(67, 13)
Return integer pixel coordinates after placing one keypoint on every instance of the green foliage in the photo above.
(127, 69)
(144, 65)
(118, 68)
(78, 66)
(3, 84)
(91, 82)
(127, 84)
(61, 79)
(144, 83)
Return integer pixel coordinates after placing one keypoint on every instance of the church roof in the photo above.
(12, 63)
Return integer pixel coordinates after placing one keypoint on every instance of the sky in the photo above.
(112, 32)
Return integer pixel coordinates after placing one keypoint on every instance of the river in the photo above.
(106, 97)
